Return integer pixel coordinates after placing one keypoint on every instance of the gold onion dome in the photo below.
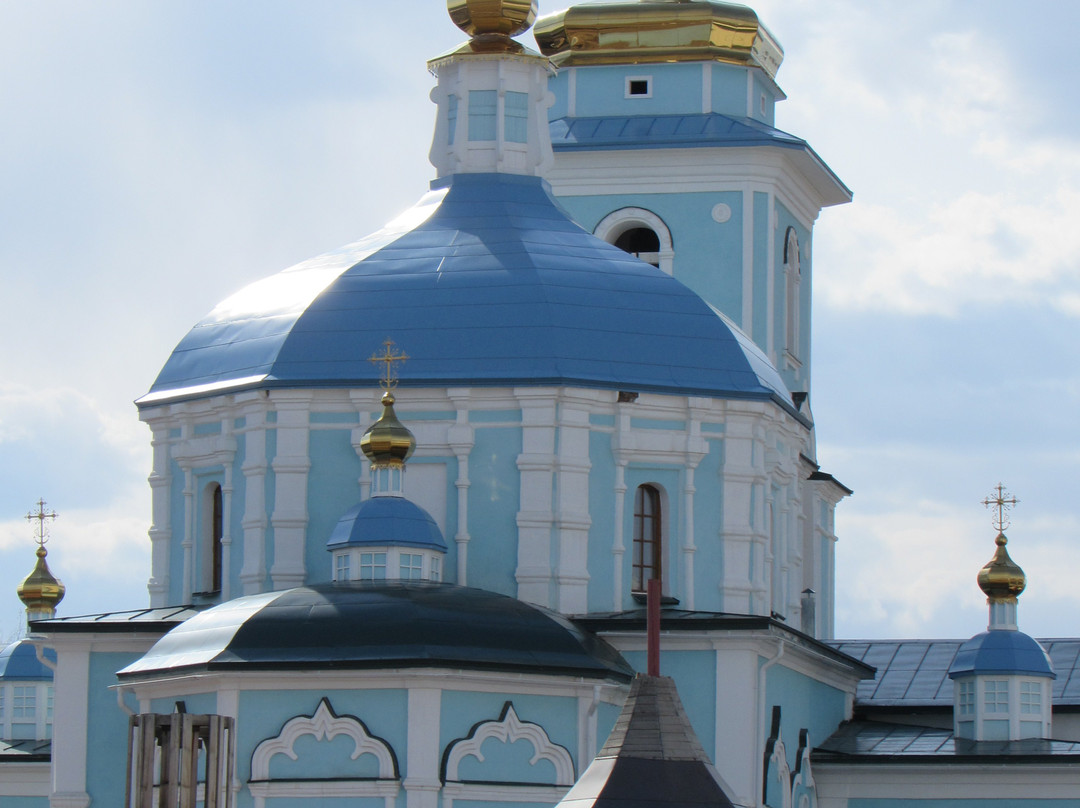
(41, 591)
(1001, 578)
(491, 23)
(654, 31)
(387, 442)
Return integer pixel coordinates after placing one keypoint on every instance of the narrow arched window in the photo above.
(214, 539)
(792, 296)
(647, 534)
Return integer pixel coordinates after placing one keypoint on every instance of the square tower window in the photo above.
(996, 696)
(967, 698)
(341, 567)
(516, 117)
(1030, 698)
(639, 86)
(412, 566)
(482, 107)
(373, 566)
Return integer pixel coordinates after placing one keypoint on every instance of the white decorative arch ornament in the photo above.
(618, 222)
(324, 725)
(777, 771)
(803, 787)
(509, 729)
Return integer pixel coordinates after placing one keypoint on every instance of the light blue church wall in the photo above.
(494, 498)
(449, 566)
(602, 514)
(106, 763)
(708, 254)
(327, 802)
(24, 802)
(176, 529)
(797, 379)
(332, 489)
(728, 89)
(762, 265)
(265, 713)
(804, 704)
(763, 89)
(462, 711)
(708, 529)
(676, 89)
(194, 704)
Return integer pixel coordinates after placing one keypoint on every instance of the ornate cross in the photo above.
(391, 358)
(41, 516)
(1003, 501)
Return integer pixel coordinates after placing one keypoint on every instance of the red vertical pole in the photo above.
(652, 606)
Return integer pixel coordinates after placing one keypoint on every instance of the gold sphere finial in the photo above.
(1001, 578)
(492, 19)
(388, 442)
(41, 591)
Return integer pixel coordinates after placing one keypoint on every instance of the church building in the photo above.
(408, 495)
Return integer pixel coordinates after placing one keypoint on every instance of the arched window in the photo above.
(213, 534)
(792, 280)
(639, 232)
(647, 537)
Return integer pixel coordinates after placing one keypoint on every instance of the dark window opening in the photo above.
(216, 536)
(642, 243)
(639, 87)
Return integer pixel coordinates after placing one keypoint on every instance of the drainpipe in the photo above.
(759, 747)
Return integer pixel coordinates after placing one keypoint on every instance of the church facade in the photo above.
(408, 495)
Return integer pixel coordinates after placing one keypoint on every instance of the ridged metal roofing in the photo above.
(19, 661)
(386, 521)
(915, 673)
(876, 742)
(486, 282)
(669, 131)
(381, 624)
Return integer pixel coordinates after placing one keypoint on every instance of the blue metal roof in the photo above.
(486, 282)
(1001, 651)
(386, 521)
(19, 661)
(915, 673)
(381, 624)
(666, 131)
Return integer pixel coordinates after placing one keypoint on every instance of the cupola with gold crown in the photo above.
(387, 536)
(1002, 677)
(41, 591)
(492, 94)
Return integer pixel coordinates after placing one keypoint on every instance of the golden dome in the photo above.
(1002, 579)
(502, 17)
(41, 591)
(387, 442)
(654, 31)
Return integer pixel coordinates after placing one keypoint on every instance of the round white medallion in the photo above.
(721, 212)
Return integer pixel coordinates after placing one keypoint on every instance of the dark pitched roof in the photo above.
(652, 759)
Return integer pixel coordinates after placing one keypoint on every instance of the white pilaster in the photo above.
(422, 782)
(160, 531)
(572, 512)
(291, 465)
(744, 533)
(255, 522)
(69, 744)
(461, 439)
(535, 518)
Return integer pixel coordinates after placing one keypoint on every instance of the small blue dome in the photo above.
(485, 282)
(387, 521)
(1004, 652)
(19, 661)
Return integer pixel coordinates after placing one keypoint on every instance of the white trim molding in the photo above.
(618, 222)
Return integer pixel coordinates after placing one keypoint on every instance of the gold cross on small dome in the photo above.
(391, 358)
(1003, 501)
(41, 515)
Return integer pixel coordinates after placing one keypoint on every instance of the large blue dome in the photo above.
(485, 282)
(19, 661)
(1003, 652)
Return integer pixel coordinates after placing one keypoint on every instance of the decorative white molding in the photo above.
(323, 725)
(509, 729)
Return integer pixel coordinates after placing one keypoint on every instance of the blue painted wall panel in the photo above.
(729, 89)
(332, 490)
(494, 495)
(106, 763)
(676, 88)
(602, 529)
(804, 704)
(762, 266)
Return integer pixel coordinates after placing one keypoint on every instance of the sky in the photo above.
(157, 156)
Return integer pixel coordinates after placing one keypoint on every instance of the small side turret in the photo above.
(41, 591)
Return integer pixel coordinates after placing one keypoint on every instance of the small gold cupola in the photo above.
(41, 591)
(388, 443)
(1001, 578)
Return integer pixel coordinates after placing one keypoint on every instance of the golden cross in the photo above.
(391, 358)
(1003, 501)
(41, 516)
